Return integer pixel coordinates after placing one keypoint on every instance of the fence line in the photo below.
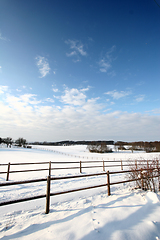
(72, 155)
(49, 179)
(80, 167)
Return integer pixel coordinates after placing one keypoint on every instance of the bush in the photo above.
(102, 148)
(146, 176)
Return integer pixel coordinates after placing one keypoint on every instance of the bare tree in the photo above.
(21, 142)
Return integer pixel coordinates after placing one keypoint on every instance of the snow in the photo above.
(86, 215)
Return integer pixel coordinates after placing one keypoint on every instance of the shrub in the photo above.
(102, 148)
(146, 176)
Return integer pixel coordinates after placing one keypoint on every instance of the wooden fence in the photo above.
(80, 165)
(50, 178)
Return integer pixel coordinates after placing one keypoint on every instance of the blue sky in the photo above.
(80, 70)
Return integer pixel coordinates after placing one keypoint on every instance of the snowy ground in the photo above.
(90, 214)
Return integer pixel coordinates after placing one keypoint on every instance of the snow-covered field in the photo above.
(90, 214)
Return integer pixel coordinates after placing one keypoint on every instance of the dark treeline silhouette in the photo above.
(67, 143)
(140, 145)
(153, 146)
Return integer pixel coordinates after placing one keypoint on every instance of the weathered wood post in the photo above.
(80, 166)
(103, 166)
(108, 183)
(121, 165)
(48, 195)
(50, 168)
(142, 182)
(147, 164)
(7, 178)
(136, 163)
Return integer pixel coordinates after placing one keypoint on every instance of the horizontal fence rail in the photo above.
(50, 178)
(81, 165)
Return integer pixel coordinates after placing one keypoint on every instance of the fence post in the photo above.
(48, 195)
(8, 171)
(108, 183)
(147, 165)
(80, 167)
(142, 183)
(136, 163)
(159, 178)
(103, 166)
(50, 168)
(121, 165)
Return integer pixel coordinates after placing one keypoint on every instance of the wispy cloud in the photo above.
(155, 111)
(49, 100)
(18, 90)
(140, 98)
(43, 65)
(104, 65)
(3, 89)
(55, 89)
(112, 73)
(105, 61)
(77, 49)
(116, 95)
(3, 38)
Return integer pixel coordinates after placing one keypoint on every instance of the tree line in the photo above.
(100, 145)
(20, 142)
(139, 146)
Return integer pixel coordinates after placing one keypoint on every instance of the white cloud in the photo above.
(73, 96)
(49, 100)
(140, 98)
(84, 89)
(43, 65)
(105, 62)
(22, 102)
(77, 49)
(3, 89)
(116, 95)
(29, 99)
(71, 54)
(78, 118)
(104, 65)
(55, 89)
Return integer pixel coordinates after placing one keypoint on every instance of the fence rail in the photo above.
(50, 178)
(81, 165)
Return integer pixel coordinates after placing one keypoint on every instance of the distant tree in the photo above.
(21, 142)
(8, 141)
(99, 148)
(120, 145)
